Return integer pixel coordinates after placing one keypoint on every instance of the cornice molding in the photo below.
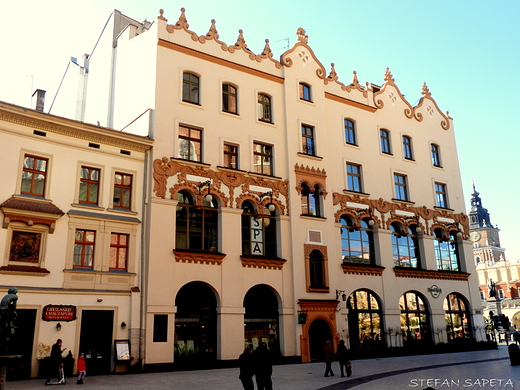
(362, 270)
(256, 262)
(424, 274)
(198, 257)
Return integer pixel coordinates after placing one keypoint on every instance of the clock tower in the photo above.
(485, 237)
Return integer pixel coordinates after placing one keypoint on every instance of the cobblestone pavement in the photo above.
(455, 371)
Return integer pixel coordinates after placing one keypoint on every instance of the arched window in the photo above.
(357, 243)
(364, 319)
(350, 132)
(229, 98)
(310, 200)
(384, 136)
(446, 250)
(190, 88)
(258, 231)
(197, 226)
(457, 317)
(407, 147)
(264, 108)
(436, 155)
(415, 318)
(317, 270)
(405, 246)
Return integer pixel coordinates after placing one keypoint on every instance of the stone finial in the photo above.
(300, 35)
(161, 13)
(182, 22)
(355, 80)
(388, 76)
(213, 33)
(425, 91)
(332, 75)
(267, 49)
(241, 42)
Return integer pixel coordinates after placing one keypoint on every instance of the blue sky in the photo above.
(466, 51)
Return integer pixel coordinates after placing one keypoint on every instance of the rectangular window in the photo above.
(160, 328)
(263, 158)
(190, 88)
(89, 185)
(122, 190)
(354, 177)
(118, 251)
(441, 199)
(264, 108)
(350, 132)
(407, 148)
(401, 192)
(305, 92)
(231, 156)
(308, 145)
(34, 175)
(25, 247)
(385, 141)
(84, 248)
(229, 98)
(436, 158)
(190, 144)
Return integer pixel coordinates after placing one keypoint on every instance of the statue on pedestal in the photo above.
(7, 317)
(492, 289)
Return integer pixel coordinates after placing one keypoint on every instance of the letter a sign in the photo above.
(257, 236)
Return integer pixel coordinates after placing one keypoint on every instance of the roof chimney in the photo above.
(40, 99)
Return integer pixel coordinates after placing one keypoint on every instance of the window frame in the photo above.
(384, 137)
(435, 155)
(350, 131)
(187, 86)
(446, 243)
(265, 108)
(118, 247)
(192, 141)
(122, 188)
(407, 147)
(311, 200)
(262, 155)
(84, 243)
(308, 140)
(34, 171)
(441, 195)
(205, 214)
(89, 182)
(228, 97)
(354, 178)
(230, 155)
(363, 235)
(304, 90)
(405, 240)
(259, 230)
(401, 187)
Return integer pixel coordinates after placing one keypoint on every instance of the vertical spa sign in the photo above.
(257, 236)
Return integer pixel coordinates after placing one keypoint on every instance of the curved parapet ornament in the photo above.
(389, 80)
(162, 170)
(426, 95)
(182, 24)
(302, 42)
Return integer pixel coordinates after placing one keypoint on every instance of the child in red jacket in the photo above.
(82, 369)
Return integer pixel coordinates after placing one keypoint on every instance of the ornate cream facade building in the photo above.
(71, 206)
(319, 189)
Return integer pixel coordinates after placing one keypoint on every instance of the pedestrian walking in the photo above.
(82, 368)
(328, 354)
(247, 369)
(56, 362)
(343, 358)
(264, 367)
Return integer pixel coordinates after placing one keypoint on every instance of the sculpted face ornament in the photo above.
(435, 291)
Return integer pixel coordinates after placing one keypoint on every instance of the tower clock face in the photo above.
(474, 236)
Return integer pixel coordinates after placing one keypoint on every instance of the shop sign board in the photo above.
(59, 313)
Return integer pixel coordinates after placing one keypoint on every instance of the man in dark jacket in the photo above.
(264, 367)
(343, 357)
(56, 361)
(247, 369)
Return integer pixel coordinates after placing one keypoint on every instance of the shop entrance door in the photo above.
(96, 340)
(22, 344)
(319, 333)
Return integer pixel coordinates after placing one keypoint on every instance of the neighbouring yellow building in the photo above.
(71, 204)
